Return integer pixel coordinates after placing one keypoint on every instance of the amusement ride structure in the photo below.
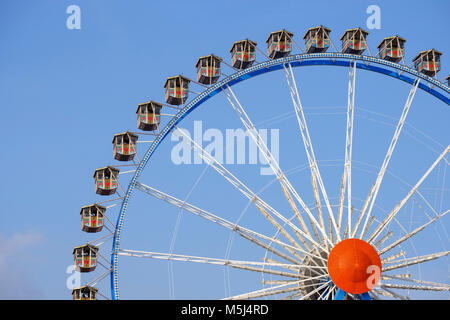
(325, 252)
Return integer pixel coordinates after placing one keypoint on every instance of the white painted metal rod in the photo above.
(393, 213)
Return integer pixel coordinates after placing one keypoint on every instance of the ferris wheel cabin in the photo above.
(354, 41)
(85, 257)
(428, 62)
(279, 44)
(208, 69)
(92, 218)
(176, 90)
(149, 115)
(392, 49)
(317, 39)
(124, 146)
(84, 293)
(243, 54)
(106, 180)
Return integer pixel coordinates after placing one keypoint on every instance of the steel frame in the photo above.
(395, 70)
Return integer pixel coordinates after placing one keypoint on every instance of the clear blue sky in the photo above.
(65, 93)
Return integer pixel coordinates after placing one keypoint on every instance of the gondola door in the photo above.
(100, 180)
(86, 218)
(125, 145)
(107, 179)
(119, 146)
(94, 214)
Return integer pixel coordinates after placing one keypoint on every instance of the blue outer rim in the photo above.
(388, 68)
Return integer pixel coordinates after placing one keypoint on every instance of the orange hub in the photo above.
(354, 266)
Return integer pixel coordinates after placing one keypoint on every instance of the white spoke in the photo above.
(319, 272)
(412, 233)
(341, 202)
(392, 214)
(272, 282)
(308, 147)
(368, 205)
(368, 225)
(318, 204)
(426, 202)
(373, 296)
(263, 207)
(267, 260)
(107, 237)
(347, 231)
(416, 260)
(245, 265)
(346, 177)
(397, 276)
(244, 232)
(262, 270)
(256, 137)
(99, 278)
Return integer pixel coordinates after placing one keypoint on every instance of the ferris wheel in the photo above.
(334, 248)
